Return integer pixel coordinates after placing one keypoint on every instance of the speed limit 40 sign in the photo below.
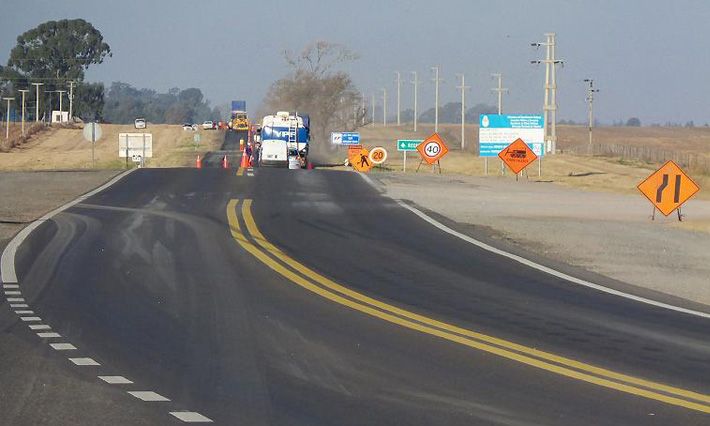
(432, 149)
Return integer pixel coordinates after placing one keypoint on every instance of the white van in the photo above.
(274, 153)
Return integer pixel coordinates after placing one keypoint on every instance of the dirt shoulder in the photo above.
(606, 233)
(65, 148)
(29, 195)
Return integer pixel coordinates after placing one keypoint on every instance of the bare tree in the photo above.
(316, 87)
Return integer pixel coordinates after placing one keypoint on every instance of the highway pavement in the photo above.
(295, 297)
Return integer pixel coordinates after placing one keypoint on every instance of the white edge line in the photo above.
(537, 266)
(7, 261)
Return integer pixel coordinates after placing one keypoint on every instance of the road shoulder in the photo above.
(604, 238)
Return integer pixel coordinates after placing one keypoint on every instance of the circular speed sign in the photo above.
(432, 149)
(378, 155)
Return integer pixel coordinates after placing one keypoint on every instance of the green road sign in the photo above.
(408, 145)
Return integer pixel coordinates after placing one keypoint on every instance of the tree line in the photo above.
(56, 55)
(124, 103)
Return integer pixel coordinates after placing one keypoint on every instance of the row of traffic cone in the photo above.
(225, 162)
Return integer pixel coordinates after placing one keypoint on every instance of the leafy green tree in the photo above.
(55, 52)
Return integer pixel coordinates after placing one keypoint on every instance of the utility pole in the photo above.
(550, 107)
(71, 100)
(7, 118)
(500, 90)
(463, 88)
(372, 103)
(436, 81)
(416, 83)
(24, 93)
(37, 100)
(362, 105)
(384, 107)
(399, 86)
(590, 103)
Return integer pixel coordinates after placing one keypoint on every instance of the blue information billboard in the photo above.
(498, 131)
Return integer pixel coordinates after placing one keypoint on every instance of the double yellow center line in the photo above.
(286, 266)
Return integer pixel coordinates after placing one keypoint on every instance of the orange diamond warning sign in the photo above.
(517, 156)
(360, 160)
(668, 188)
(432, 148)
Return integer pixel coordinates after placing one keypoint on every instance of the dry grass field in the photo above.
(598, 172)
(64, 148)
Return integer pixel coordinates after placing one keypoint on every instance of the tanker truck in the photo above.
(292, 130)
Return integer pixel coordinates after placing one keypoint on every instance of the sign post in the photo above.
(407, 145)
(432, 149)
(668, 188)
(92, 133)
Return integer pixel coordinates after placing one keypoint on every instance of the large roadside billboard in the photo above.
(498, 131)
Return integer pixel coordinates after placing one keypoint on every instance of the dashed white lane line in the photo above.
(30, 319)
(24, 312)
(40, 327)
(10, 286)
(83, 361)
(18, 305)
(115, 380)
(12, 293)
(51, 334)
(148, 396)
(191, 417)
(16, 299)
(62, 346)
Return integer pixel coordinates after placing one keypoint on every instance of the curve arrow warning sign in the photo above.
(668, 188)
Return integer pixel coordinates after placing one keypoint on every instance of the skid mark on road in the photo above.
(257, 245)
(12, 290)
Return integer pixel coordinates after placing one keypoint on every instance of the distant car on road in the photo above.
(139, 123)
(188, 126)
(208, 125)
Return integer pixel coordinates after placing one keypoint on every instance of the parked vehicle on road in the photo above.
(274, 153)
(208, 125)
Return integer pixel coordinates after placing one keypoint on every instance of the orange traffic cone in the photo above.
(245, 161)
(225, 163)
(198, 162)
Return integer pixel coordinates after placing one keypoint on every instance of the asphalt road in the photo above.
(229, 149)
(162, 280)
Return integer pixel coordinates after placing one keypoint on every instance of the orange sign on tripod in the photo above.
(517, 156)
(668, 188)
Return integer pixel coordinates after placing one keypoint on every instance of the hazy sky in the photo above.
(650, 58)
